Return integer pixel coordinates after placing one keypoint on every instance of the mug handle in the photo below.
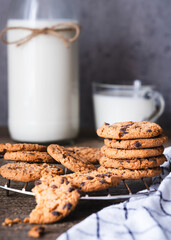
(160, 106)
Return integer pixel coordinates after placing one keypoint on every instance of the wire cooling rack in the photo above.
(107, 196)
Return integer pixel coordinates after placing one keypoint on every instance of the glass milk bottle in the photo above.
(43, 96)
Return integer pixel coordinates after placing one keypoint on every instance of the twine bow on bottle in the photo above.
(54, 30)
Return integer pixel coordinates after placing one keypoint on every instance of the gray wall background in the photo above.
(121, 41)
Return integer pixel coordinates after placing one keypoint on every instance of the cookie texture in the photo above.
(128, 154)
(130, 173)
(88, 154)
(54, 201)
(22, 147)
(86, 181)
(136, 163)
(29, 156)
(129, 130)
(136, 143)
(26, 172)
(70, 160)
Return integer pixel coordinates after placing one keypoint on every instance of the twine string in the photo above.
(55, 30)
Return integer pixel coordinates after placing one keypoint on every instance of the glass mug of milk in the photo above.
(43, 79)
(120, 103)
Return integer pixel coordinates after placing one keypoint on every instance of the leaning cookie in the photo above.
(90, 155)
(29, 156)
(129, 130)
(136, 143)
(68, 159)
(134, 153)
(26, 172)
(86, 181)
(136, 163)
(130, 173)
(22, 147)
(54, 201)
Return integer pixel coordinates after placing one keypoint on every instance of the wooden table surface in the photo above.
(19, 205)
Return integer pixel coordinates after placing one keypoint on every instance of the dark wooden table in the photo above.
(20, 205)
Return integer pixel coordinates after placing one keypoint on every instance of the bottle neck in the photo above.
(43, 9)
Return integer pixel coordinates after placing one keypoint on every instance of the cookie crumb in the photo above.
(36, 231)
(26, 220)
(8, 222)
(17, 220)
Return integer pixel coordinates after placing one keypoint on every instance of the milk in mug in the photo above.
(121, 103)
(43, 92)
(113, 109)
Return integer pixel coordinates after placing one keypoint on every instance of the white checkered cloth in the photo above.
(142, 218)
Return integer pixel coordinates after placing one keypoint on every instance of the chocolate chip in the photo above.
(152, 160)
(102, 181)
(127, 125)
(90, 178)
(45, 166)
(123, 129)
(121, 161)
(54, 186)
(100, 175)
(31, 153)
(63, 155)
(37, 182)
(72, 151)
(137, 144)
(56, 213)
(82, 184)
(63, 179)
(67, 182)
(149, 130)
(107, 174)
(106, 123)
(79, 191)
(70, 189)
(67, 205)
(128, 161)
(68, 155)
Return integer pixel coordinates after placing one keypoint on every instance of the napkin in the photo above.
(143, 217)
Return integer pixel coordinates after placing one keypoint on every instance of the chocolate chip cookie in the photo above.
(88, 154)
(130, 173)
(26, 172)
(54, 202)
(70, 160)
(23, 147)
(29, 156)
(136, 143)
(136, 163)
(129, 130)
(86, 181)
(128, 154)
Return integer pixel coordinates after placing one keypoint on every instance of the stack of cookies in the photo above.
(132, 150)
(29, 162)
